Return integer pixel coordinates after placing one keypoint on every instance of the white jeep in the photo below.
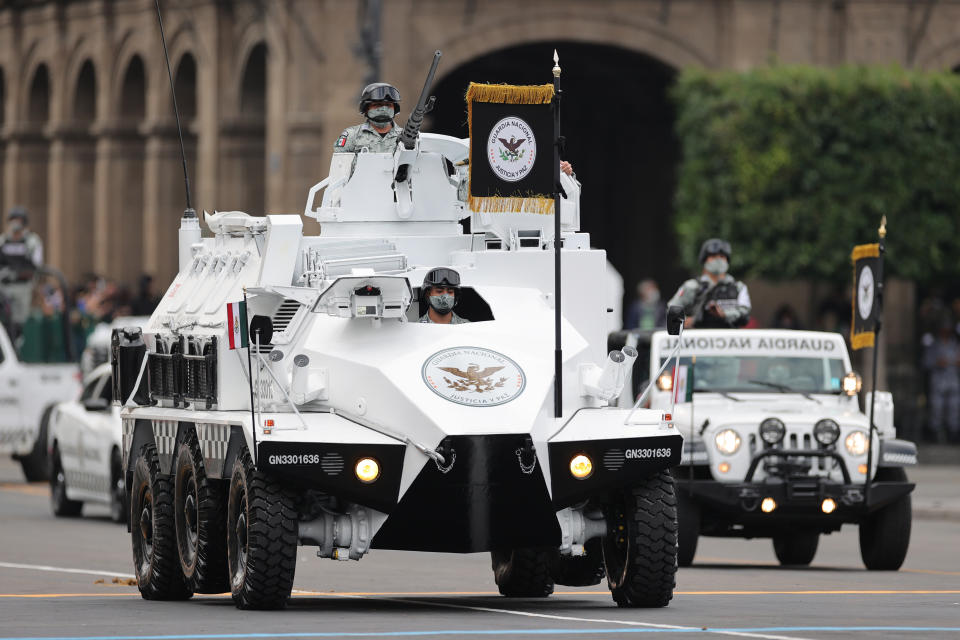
(776, 444)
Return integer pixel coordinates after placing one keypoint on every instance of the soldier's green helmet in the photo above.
(712, 247)
(379, 92)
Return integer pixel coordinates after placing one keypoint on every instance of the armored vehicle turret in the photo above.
(353, 422)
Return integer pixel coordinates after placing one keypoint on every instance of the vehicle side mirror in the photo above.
(675, 318)
(96, 404)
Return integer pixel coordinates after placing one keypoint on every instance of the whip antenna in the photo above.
(189, 211)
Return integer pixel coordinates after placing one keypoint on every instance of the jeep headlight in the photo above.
(826, 432)
(852, 383)
(728, 441)
(856, 443)
(772, 430)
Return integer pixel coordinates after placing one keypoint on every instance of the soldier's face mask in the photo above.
(717, 266)
(380, 115)
(442, 303)
(15, 226)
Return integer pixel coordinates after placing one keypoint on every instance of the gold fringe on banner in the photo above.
(508, 94)
(862, 340)
(865, 251)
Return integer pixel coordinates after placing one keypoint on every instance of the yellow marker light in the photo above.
(367, 470)
(665, 382)
(829, 505)
(768, 505)
(724, 467)
(581, 467)
(862, 468)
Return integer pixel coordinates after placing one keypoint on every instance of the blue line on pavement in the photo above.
(489, 632)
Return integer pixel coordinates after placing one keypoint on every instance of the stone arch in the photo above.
(254, 36)
(132, 97)
(253, 82)
(31, 181)
(83, 109)
(38, 96)
(639, 36)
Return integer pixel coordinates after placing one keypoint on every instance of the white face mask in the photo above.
(716, 266)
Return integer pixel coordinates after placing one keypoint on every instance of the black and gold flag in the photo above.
(867, 276)
(511, 147)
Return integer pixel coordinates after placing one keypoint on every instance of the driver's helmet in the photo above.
(714, 246)
(442, 276)
(379, 92)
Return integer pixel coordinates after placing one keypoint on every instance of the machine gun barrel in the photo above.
(412, 129)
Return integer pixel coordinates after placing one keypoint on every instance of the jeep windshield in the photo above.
(764, 374)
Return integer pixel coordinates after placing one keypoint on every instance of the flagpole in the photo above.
(878, 301)
(557, 349)
(253, 412)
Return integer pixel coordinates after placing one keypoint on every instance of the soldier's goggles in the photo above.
(442, 276)
(378, 94)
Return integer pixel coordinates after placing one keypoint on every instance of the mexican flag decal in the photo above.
(237, 325)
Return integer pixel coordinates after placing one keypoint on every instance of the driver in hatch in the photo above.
(441, 289)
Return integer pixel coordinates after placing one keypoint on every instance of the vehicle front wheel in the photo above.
(62, 506)
(201, 522)
(261, 538)
(524, 573)
(640, 547)
(796, 548)
(885, 534)
(153, 531)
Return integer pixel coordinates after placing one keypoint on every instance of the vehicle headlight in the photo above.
(856, 443)
(772, 430)
(665, 382)
(581, 466)
(826, 432)
(728, 441)
(367, 470)
(852, 383)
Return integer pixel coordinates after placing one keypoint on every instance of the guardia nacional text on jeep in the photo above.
(776, 444)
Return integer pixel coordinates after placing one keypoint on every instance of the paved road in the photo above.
(70, 578)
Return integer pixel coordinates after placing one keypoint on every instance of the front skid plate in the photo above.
(484, 501)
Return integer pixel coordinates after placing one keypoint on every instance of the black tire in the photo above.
(640, 548)
(119, 503)
(885, 534)
(581, 571)
(36, 464)
(796, 548)
(63, 507)
(201, 522)
(261, 538)
(688, 534)
(524, 573)
(153, 531)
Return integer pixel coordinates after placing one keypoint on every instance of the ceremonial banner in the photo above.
(511, 148)
(867, 274)
(237, 325)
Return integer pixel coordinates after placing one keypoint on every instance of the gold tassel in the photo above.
(536, 204)
(862, 340)
(865, 251)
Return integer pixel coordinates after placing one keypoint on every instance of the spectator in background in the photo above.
(785, 318)
(648, 310)
(146, 301)
(942, 360)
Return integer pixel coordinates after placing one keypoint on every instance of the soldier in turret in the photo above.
(379, 104)
(441, 289)
(716, 300)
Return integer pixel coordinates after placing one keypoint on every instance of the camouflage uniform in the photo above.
(361, 136)
(425, 319)
(730, 294)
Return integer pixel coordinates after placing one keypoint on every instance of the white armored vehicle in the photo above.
(776, 445)
(355, 426)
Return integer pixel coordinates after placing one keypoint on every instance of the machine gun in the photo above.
(411, 130)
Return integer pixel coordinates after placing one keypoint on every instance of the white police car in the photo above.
(86, 436)
(776, 444)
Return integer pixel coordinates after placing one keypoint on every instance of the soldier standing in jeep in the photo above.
(716, 300)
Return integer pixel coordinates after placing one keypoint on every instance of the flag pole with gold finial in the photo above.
(557, 142)
(878, 301)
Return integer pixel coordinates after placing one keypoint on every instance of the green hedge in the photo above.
(795, 165)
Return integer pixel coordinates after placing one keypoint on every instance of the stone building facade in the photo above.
(88, 140)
